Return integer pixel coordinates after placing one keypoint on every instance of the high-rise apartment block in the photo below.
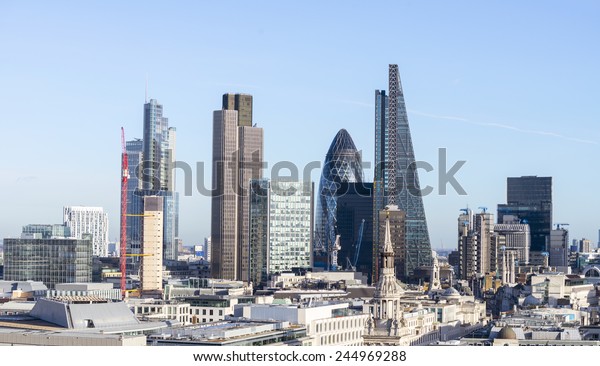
(88, 220)
(396, 180)
(237, 159)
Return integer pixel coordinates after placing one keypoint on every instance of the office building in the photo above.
(558, 250)
(48, 259)
(88, 220)
(396, 180)
(281, 223)
(343, 164)
(206, 248)
(355, 226)
(237, 143)
(517, 237)
(585, 245)
(530, 199)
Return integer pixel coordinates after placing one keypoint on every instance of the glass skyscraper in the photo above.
(396, 180)
(343, 164)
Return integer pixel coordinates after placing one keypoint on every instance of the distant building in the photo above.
(236, 142)
(559, 248)
(49, 260)
(152, 244)
(355, 226)
(397, 222)
(342, 164)
(281, 222)
(207, 249)
(88, 220)
(530, 199)
(477, 246)
(517, 237)
(585, 245)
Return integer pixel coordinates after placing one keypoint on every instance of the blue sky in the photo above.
(510, 87)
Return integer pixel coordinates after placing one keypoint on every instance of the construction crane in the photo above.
(123, 245)
(358, 243)
(559, 225)
(465, 210)
(484, 209)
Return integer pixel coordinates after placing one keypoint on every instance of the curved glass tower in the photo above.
(342, 164)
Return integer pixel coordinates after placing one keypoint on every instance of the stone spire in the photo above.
(388, 286)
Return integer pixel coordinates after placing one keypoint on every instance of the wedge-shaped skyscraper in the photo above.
(396, 181)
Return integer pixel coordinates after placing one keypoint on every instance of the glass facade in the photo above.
(530, 199)
(343, 163)
(50, 261)
(281, 218)
(396, 179)
(355, 217)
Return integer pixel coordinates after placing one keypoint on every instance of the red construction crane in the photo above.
(124, 178)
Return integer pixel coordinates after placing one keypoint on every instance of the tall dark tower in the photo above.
(530, 199)
(396, 177)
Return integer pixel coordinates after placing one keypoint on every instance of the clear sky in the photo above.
(511, 87)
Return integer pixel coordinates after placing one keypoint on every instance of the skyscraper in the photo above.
(237, 158)
(530, 199)
(155, 176)
(343, 164)
(558, 249)
(396, 180)
(88, 220)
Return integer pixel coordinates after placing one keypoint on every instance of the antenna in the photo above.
(146, 94)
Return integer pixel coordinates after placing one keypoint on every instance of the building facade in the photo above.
(343, 164)
(88, 220)
(530, 199)
(558, 250)
(237, 143)
(48, 260)
(281, 223)
(151, 274)
(396, 178)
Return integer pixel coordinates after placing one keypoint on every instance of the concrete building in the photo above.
(327, 323)
(88, 220)
(97, 290)
(76, 321)
(236, 143)
(477, 245)
(152, 245)
(516, 237)
(22, 290)
(558, 248)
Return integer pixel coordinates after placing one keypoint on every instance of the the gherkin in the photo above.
(342, 164)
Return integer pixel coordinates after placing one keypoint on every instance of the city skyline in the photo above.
(500, 115)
